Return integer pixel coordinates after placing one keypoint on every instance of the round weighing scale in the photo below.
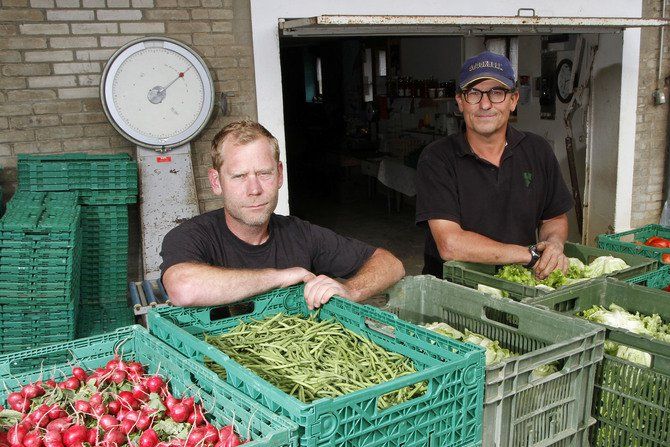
(158, 93)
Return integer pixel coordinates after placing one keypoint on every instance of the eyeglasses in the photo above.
(495, 95)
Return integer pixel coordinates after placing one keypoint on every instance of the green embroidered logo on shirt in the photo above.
(527, 178)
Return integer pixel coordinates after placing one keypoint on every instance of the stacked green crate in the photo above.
(40, 258)
(106, 184)
(105, 270)
(112, 175)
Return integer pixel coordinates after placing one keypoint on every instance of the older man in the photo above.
(492, 194)
(245, 248)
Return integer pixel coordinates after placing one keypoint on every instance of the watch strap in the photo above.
(534, 257)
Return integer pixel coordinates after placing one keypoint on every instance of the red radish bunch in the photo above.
(114, 406)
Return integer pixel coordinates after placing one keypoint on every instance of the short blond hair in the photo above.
(240, 133)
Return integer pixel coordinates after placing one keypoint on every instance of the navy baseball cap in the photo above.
(487, 65)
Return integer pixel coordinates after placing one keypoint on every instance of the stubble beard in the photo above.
(252, 219)
(487, 129)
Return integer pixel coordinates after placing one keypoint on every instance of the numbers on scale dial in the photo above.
(158, 92)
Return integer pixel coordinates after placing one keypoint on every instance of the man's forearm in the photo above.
(473, 247)
(555, 230)
(455, 244)
(191, 284)
(377, 274)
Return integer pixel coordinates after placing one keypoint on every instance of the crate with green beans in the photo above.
(126, 388)
(652, 241)
(349, 375)
(540, 367)
(632, 394)
(519, 283)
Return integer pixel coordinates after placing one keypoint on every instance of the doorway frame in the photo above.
(267, 14)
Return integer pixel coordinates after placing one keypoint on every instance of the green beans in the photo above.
(312, 359)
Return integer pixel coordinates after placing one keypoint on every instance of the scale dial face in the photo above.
(157, 92)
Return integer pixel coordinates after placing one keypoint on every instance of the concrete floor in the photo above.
(368, 219)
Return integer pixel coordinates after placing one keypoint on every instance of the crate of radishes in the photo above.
(126, 388)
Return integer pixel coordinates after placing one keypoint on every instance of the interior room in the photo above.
(359, 110)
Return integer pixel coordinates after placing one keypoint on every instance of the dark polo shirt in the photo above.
(505, 203)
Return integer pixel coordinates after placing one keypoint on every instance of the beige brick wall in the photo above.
(651, 137)
(52, 53)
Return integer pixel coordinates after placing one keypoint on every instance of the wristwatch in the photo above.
(534, 256)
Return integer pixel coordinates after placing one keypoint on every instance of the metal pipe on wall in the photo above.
(665, 214)
(660, 49)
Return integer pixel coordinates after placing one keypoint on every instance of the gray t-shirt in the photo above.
(292, 243)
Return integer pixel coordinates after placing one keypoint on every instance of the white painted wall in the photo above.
(528, 118)
(266, 14)
(604, 124)
(630, 65)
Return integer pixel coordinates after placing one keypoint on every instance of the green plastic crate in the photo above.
(105, 214)
(632, 241)
(35, 286)
(472, 274)
(107, 287)
(518, 411)
(33, 275)
(58, 173)
(657, 279)
(104, 300)
(49, 331)
(32, 311)
(449, 413)
(39, 282)
(225, 404)
(110, 286)
(9, 345)
(107, 311)
(49, 298)
(631, 402)
(35, 244)
(101, 179)
(106, 198)
(94, 320)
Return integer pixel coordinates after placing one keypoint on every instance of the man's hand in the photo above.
(552, 258)
(294, 275)
(320, 289)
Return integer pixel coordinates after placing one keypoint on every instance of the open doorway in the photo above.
(344, 122)
(359, 110)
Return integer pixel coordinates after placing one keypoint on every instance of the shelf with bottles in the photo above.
(407, 87)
